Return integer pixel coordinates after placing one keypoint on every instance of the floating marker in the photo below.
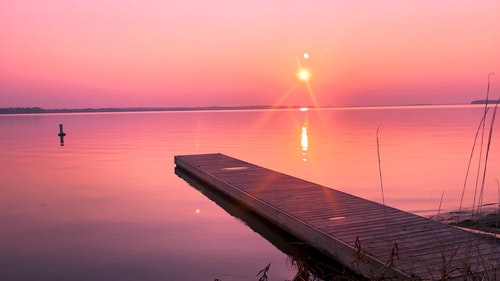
(61, 134)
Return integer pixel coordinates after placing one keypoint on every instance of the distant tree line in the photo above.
(484, 101)
(21, 110)
(31, 110)
(27, 110)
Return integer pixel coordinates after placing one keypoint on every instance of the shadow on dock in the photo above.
(309, 262)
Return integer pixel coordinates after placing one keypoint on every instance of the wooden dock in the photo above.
(375, 240)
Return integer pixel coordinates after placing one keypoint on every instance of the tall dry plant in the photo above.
(483, 157)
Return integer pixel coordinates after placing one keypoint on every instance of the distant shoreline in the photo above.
(40, 110)
(484, 102)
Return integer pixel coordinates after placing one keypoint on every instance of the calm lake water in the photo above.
(108, 205)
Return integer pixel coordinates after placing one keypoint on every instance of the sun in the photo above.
(304, 75)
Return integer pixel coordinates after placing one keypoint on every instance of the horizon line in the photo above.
(40, 110)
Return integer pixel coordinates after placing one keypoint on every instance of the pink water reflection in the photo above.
(108, 203)
(424, 152)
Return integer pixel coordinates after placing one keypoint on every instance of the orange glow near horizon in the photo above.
(79, 53)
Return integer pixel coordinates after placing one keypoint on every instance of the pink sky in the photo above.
(120, 53)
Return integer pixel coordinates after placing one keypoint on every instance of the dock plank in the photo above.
(360, 233)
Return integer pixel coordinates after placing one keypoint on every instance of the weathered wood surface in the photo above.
(375, 240)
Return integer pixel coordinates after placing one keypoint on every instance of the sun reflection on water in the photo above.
(304, 142)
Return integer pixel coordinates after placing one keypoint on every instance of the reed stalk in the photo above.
(481, 193)
(380, 175)
(479, 176)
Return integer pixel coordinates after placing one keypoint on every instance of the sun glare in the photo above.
(304, 75)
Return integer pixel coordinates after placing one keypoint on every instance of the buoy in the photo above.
(61, 134)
